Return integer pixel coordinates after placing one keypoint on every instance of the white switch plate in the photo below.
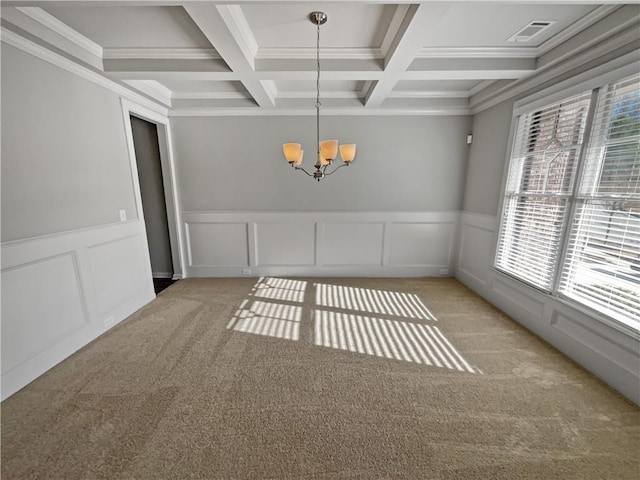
(123, 215)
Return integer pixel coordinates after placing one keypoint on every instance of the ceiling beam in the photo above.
(223, 27)
(160, 75)
(404, 49)
(487, 67)
(165, 65)
(168, 69)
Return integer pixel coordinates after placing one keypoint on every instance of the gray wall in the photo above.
(145, 139)
(402, 164)
(487, 159)
(65, 164)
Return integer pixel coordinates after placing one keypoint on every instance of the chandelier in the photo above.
(327, 149)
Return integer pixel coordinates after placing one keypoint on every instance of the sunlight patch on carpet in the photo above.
(372, 301)
(280, 289)
(274, 308)
(269, 319)
(407, 341)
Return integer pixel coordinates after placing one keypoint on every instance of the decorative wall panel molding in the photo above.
(609, 351)
(61, 291)
(575, 327)
(351, 244)
(108, 260)
(42, 304)
(320, 243)
(285, 243)
(476, 246)
(223, 244)
(408, 241)
(529, 301)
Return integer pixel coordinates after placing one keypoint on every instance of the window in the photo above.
(570, 224)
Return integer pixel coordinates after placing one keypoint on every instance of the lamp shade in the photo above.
(322, 161)
(329, 149)
(292, 151)
(348, 152)
(298, 162)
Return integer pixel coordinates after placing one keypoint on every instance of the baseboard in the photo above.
(162, 274)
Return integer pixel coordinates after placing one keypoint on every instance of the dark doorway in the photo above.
(145, 141)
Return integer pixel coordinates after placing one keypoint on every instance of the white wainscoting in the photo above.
(609, 351)
(320, 243)
(61, 291)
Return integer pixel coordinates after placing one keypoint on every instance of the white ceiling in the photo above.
(259, 56)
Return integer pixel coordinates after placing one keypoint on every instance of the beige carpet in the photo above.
(319, 379)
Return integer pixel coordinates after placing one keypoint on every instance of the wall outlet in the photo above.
(109, 321)
(246, 271)
(444, 271)
(123, 215)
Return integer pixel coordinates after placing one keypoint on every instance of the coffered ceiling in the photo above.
(258, 57)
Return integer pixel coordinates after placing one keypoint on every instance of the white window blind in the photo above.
(545, 154)
(602, 264)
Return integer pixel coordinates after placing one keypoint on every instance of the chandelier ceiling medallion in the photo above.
(327, 149)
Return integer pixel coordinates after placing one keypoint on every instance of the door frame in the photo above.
(167, 165)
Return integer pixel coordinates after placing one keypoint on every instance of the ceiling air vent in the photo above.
(531, 30)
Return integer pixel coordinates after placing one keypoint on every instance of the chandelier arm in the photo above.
(300, 168)
(334, 170)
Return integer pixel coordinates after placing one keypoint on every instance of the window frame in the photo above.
(591, 80)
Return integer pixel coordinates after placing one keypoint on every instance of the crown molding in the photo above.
(160, 54)
(585, 22)
(152, 88)
(304, 53)
(478, 52)
(210, 95)
(352, 111)
(429, 94)
(325, 95)
(480, 86)
(11, 38)
(621, 32)
(52, 23)
(521, 52)
(556, 69)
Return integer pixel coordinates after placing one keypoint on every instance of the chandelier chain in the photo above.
(318, 86)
